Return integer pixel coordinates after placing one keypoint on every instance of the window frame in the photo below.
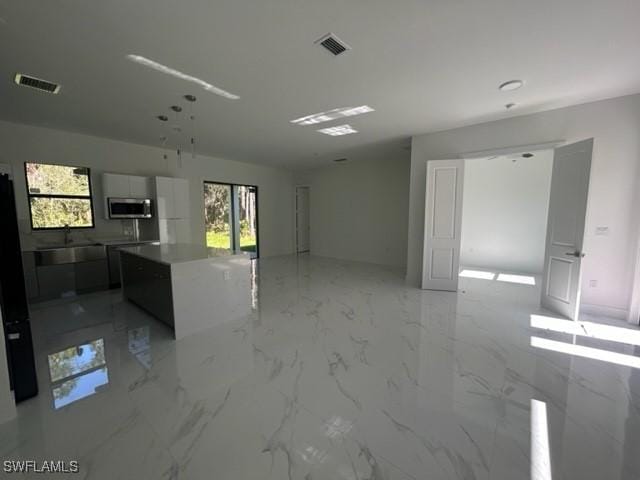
(59, 196)
(232, 212)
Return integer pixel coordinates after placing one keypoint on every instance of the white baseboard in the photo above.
(612, 312)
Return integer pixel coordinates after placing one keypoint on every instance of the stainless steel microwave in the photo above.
(129, 207)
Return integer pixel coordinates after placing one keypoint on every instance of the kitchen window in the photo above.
(59, 196)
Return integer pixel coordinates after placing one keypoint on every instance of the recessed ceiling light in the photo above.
(511, 85)
(183, 76)
(338, 130)
(332, 115)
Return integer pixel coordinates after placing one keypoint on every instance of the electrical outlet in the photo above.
(604, 231)
(593, 283)
(226, 275)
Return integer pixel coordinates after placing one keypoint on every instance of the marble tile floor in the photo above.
(340, 372)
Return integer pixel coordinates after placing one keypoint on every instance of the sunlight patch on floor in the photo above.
(586, 352)
(521, 279)
(587, 329)
(479, 274)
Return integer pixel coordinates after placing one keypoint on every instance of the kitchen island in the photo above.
(188, 287)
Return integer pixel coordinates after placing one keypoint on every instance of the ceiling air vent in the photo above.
(37, 83)
(333, 44)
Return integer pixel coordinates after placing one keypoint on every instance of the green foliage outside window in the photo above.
(59, 195)
(218, 203)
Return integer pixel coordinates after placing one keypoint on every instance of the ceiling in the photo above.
(423, 65)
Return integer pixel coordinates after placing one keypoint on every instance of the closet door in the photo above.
(442, 225)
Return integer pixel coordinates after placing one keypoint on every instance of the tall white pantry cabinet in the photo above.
(172, 209)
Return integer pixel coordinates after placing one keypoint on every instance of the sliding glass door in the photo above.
(248, 218)
(231, 216)
(217, 215)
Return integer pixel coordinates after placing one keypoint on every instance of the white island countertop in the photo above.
(188, 287)
(173, 253)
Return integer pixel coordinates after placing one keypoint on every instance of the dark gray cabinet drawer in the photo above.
(148, 284)
(91, 276)
(55, 281)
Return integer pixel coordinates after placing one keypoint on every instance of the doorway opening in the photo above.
(566, 200)
(504, 217)
(303, 224)
(231, 217)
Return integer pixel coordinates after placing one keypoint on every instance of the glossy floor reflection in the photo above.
(340, 372)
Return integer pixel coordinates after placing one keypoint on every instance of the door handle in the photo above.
(576, 254)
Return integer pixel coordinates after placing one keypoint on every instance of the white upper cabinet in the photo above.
(139, 187)
(115, 185)
(183, 230)
(181, 197)
(171, 194)
(172, 198)
(164, 198)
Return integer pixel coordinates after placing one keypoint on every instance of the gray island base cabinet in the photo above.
(148, 285)
(188, 287)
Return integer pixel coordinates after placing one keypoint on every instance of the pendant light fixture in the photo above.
(177, 128)
(177, 109)
(163, 138)
(192, 100)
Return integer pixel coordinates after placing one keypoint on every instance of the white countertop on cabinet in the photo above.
(173, 253)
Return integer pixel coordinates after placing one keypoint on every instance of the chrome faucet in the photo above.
(67, 234)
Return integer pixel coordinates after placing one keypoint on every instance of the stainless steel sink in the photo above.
(57, 246)
(70, 254)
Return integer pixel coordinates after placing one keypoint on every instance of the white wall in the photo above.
(21, 143)
(504, 212)
(359, 209)
(613, 200)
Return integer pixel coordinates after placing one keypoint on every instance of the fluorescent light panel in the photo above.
(332, 115)
(338, 130)
(183, 76)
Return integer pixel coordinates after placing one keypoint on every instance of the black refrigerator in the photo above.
(13, 299)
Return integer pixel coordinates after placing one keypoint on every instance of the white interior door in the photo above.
(565, 228)
(303, 225)
(443, 218)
